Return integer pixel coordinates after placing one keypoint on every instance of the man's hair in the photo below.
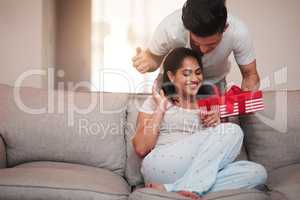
(204, 17)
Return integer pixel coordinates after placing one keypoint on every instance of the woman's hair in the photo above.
(173, 62)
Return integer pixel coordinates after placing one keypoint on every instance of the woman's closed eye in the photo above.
(198, 72)
(188, 72)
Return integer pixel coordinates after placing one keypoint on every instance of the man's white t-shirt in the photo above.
(171, 34)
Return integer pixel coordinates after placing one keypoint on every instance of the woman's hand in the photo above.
(159, 98)
(211, 118)
(148, 125)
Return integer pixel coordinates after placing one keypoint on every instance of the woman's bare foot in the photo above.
(156, 186)
(191, 195)
(160, 187)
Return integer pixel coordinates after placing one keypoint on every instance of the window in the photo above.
(118, 27)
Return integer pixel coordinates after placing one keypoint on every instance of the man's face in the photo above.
(205, 44)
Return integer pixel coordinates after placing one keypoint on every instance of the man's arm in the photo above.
(251, 80)
(158, 60)
(168, 35)
(245, 57)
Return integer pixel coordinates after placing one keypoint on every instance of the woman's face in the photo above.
(188, 77)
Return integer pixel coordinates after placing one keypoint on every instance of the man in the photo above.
(204, 26)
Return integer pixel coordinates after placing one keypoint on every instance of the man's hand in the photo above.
(250, 76)
(144, 61)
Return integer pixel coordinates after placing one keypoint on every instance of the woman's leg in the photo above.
(240, 174)
(168, 163)
(220, 148)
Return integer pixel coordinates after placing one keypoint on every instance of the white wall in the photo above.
(274, 25)
(27, 39)
(24, 45)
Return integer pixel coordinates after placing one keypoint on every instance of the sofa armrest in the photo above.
(2, 153)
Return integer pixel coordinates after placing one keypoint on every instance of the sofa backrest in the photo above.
(83, 128)
(273, 135)
(133, 164)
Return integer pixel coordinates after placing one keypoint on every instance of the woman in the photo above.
(184, 150)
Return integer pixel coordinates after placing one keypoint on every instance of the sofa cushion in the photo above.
(83, 128)
(53, 181)
(273, 135)
(286, 180)
(275, 195)
(133, 164)
(240, 194)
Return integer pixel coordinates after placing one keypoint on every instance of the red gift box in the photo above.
(234, 102)
(238, 102)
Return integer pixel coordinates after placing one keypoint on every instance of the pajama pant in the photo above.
(203, 162)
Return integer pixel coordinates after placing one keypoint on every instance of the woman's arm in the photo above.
(147, 132)
(148, 125)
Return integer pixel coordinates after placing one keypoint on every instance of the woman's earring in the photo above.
(172, 81)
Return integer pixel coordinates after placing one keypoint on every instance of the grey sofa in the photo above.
(63, 145)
